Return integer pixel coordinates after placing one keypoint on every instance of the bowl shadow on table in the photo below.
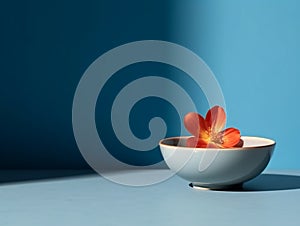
(271, 182)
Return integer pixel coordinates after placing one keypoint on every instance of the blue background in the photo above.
(252, 47)
(254, 50)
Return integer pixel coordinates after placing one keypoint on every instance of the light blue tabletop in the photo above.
(88, 199)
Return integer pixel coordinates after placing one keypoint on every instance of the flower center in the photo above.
(216, 138)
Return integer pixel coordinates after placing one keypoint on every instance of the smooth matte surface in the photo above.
(92, 200)
(213, 168)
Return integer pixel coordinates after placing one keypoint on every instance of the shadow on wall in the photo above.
(48, 46)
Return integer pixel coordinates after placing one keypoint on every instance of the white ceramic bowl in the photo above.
(217, 168)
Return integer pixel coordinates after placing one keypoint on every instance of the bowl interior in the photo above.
(249, 143)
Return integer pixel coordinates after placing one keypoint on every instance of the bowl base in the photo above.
(232, 187)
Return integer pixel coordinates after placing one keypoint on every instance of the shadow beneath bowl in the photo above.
(271, 182)
(264, 182)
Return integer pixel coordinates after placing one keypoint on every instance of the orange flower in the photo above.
(209, 133)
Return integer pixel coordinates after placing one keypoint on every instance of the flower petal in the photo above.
(230, 137)
(194, 123)
(239, 144)
(215, 119)
(195, 142)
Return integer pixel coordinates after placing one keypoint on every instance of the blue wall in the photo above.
(252, 46)
(47, 46)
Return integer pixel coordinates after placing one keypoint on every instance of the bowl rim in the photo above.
(271, 141)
